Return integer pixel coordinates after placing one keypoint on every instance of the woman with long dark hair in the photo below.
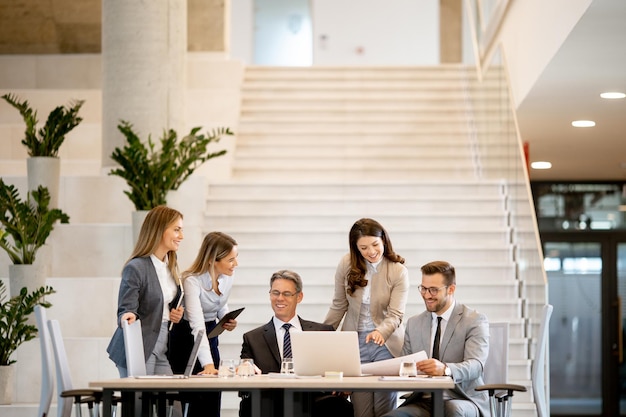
(371, 291)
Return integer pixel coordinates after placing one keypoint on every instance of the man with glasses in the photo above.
(457, 341)
(267, 345)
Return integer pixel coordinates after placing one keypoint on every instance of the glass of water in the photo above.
(408, 368)
(286, 367)
(227, 368)
(246, 368)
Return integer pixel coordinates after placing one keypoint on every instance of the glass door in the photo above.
(587, 287)
(621, 285)
(574, 271)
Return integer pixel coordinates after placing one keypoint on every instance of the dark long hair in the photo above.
(358, 264)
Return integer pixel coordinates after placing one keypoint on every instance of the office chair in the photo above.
(136, 361)
(47, 362)
(91, 397)
(501, 394)
(496, 372)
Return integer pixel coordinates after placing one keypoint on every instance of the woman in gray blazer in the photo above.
(149, 289)
(371, 291)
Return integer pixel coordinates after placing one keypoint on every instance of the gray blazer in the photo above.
(140, 293)
(464, 348)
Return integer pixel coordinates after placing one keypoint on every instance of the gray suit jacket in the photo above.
(140, 293)
(464, 348)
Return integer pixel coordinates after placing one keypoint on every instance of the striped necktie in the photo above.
(286, 342)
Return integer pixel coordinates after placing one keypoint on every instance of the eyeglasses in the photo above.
(286, 294)
(431, 290)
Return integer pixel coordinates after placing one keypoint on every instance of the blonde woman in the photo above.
(207, 284)
(148, 286)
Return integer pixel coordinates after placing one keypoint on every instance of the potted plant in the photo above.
(27, 223)
(15, 329)
(43, 164)
(152, 172)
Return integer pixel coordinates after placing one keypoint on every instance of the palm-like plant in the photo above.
(48, 139)
(14, 328)
(28, 224)
(152, 172)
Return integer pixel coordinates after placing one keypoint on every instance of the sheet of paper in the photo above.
(390, 366)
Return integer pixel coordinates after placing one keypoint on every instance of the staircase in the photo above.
(319, 148)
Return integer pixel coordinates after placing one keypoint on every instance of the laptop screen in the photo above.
(314, 353)
(194, 353)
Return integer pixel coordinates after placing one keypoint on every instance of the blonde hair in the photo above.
(151, 233)
(215, 247)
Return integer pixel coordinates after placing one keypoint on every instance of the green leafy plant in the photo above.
(14, 312)
(48, 139)
(28, 224)
(152, 172)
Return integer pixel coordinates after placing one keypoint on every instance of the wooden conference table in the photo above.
(255, 384)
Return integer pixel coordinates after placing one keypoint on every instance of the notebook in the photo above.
(190, 363)
(314, 353)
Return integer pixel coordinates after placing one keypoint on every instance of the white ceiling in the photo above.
(591, 61)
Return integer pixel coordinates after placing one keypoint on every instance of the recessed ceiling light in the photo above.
(541, 165)
(583, 123)
(612, 95)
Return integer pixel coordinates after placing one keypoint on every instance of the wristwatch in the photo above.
(447, 371)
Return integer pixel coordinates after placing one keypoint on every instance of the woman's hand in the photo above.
(176, 314)
(230, 325)
(208, 370)
(375, 337)
(129, 317)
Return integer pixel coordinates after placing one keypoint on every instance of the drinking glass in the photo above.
(227, 368)
(286, 367)
(408, 368)
(246, 368)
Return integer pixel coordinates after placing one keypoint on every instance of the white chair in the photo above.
(541, 391)
(136, 361)
(496, 372)
(47, 362)
(133, 347)
(67, 393)
(501, 393)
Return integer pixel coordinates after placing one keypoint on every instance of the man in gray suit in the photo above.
(457, 339)
(265, 345)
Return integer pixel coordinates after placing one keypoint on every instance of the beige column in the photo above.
(144, 45)
(450, 31)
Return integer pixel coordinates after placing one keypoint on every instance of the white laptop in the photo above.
(190, 362)
(314, 353)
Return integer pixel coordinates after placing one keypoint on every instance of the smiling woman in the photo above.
(371, 290)
(149, 285)
(207, 284)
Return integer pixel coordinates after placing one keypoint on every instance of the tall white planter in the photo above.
(46, 171)
(138, 217)
(6, 384)
(29, 276)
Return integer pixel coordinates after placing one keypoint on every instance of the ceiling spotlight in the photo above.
(612, 95)
(583, 123)
(541, 165)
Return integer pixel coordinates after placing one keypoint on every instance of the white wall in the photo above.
(401, 32)
(528, 52)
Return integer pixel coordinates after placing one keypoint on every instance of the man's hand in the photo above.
(431, 367)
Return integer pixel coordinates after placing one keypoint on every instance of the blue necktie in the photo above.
(286, 342)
